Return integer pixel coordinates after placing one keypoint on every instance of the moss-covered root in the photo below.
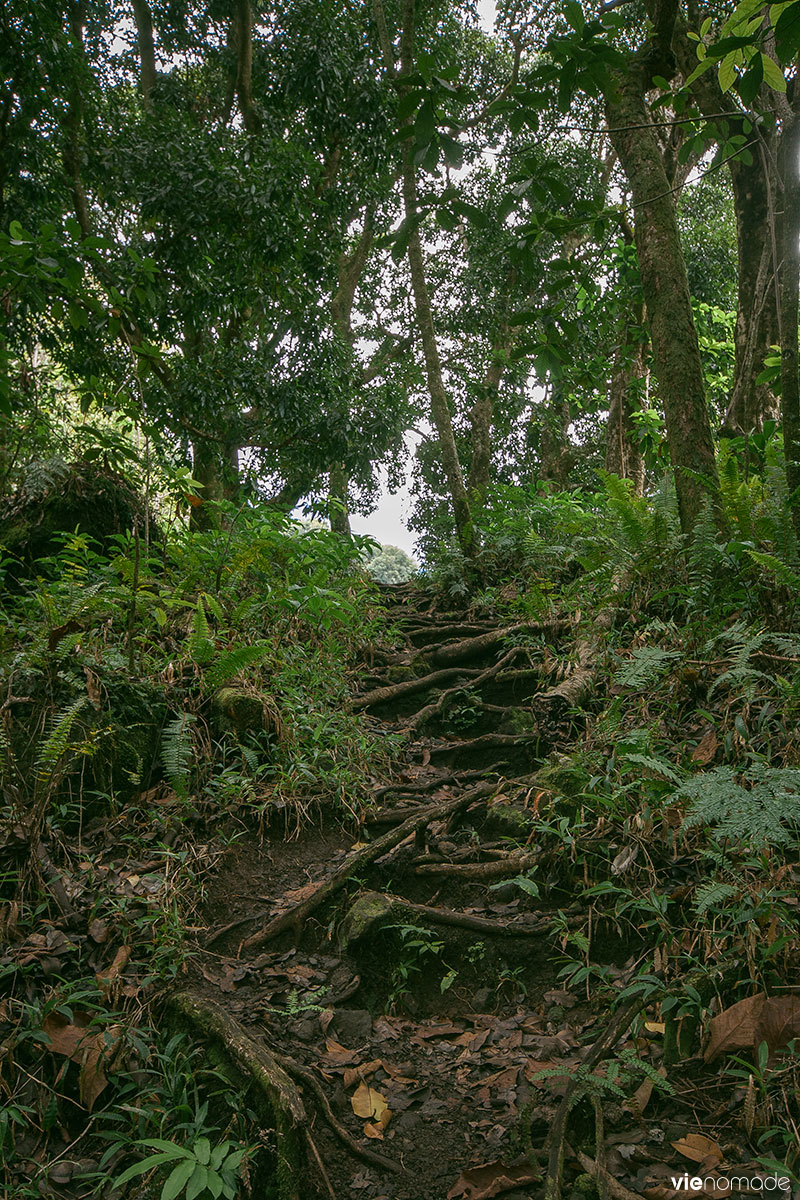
(282, 1099)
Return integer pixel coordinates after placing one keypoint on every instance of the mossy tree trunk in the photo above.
(676, 350)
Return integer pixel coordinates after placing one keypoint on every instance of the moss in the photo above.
(367, 911)
(509, 820)
(236, 711)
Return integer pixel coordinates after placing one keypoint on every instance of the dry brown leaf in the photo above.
(374, 1129)
(354, 1074)
(491, 1179)
(698, 1148)
(98, 931)
(83, 1045)
(338, 1055)
(706, 748)
(640, 1098)
(367, 1103)
(774, 1020)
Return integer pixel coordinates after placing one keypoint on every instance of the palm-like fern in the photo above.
(56, 742)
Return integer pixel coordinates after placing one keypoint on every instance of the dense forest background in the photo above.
(259, 261)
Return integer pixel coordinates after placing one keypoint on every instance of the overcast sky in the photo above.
(388, 523)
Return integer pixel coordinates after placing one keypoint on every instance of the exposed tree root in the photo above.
(294, 917)
(257, 1063)
(496, 869)
(436, 706)
(473, 647)
(601, 1176)
(407, 687)
(487, 741)
(536, 927)
(310, 1080)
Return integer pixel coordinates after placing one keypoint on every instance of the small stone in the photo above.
(352, 1027)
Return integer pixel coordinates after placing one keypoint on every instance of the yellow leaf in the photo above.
(654, 1026)
(368, 1104)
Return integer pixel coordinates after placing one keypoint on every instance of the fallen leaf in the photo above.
(655, 1026)
(697, 1148)
(98, 931)
(374, 1129)
(338, 1055)
(756, 1019)
(84, 1045)
(491, 1179)
(367, 1103)
(639, 1100)
(706, 748)
(107, 979)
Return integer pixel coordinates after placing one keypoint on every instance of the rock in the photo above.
(481, 999)
(236, 711)
(368, 911)
(352, 1027)
(509, 820)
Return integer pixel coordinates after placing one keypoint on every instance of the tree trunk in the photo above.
(623, 455)
(73, 119)
(440, 406)
(147, 51)
(752, 403)
(208, 470)
(243, 42)
(337, 491)
(482, 415)
(789, 284)
(676, 351)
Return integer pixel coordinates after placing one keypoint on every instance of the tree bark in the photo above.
(789, 285)
(482, 415)
(74, 119)
(623, 454)
(676, 351)
(147, 51)
(440, 405)
(243, 42)
(756, 331)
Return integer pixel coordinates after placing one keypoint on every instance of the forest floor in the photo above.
(496, 979)
(410, 978)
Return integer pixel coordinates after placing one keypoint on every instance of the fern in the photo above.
(712, 894)
(177, 752)
(658, 766)
(233, 661)
(781, 570)
(57, 741)
(646, 666)
(704, 559)
(762, 810)
(200, 645)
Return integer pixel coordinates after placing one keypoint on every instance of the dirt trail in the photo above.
(402, 975)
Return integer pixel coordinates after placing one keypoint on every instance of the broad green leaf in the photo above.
(198, 1182)
(773, 75)
(727, 71)
(177, 1180)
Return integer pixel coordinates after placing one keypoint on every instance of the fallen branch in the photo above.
(296, 915)
(601, 1175)
(617, 1027)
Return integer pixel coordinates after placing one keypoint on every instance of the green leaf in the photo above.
(727, 71)
(139, 1168)
(773, 75)
(787, 33)
(574, 14)
(202, 1150)
(177, 1180)
(198, 1182)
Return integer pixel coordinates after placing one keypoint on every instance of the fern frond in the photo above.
(659, 766)
(711, 894)
(200, 645)
(177, 752)
(233, 661)
(647, 665)
(761, 810)
(57, 740)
